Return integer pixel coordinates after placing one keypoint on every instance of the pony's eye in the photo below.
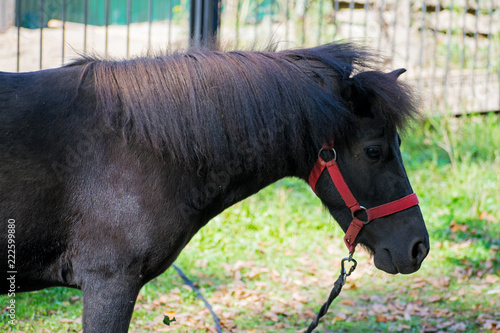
(373, 152)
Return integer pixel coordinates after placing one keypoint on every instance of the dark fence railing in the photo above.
(451, 48)
(204, 21)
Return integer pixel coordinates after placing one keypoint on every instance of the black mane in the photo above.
(203, 105)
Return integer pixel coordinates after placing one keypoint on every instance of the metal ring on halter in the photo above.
(345, 272)
(361, 208)
(333, 151)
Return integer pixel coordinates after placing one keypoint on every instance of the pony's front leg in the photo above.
(108, 304)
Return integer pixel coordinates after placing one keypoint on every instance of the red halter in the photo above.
(351, 202)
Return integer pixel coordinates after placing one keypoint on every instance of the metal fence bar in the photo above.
(488, 59)
(287, 19)
(408, 27)
(129, 19)
(237, 23)
(150, 22)
(381, 24)
(18, 20)
(394, 26)
(85, 22)
(256, 17)
(335, 11)
(204, 22)
(106, 18)
(196, 22)
(434, 56)
(462, 54)
(448, 55)
(421, 48)
(170, 21)
(476, 47)
(303, 25)
(320, 25)
(365, 25)
(271, 12)
(41, 34)
(351, 17)
(63, 46)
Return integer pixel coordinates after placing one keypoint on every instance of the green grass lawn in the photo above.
(268, 263)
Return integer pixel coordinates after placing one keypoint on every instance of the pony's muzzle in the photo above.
(418, 252)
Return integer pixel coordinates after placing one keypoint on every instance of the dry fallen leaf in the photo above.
(170, 313)
(379, 308)
(438, 282)
(434, 298)
(271, 315)
(348, 302)
(455, 227)
(418, 285)
(491, 279)
(340, 316)
(458, 327)
(488, 217)
(279, 309)
(428, 328)
(491, 325)
(403, 327)
(483, 317)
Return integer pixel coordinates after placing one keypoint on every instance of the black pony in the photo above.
(108, 168)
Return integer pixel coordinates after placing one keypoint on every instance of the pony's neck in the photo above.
(222, 187)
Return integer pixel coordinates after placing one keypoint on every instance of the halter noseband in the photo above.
(351, 202)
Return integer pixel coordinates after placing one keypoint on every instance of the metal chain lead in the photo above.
(337, 288)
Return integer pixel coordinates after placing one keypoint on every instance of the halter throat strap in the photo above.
(356, 209)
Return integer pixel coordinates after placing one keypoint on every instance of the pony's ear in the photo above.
(356, 99)
(395, 74)
(349, 92)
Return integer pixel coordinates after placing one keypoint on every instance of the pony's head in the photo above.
(370, 163)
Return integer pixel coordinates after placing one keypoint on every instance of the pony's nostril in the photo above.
(419, 252)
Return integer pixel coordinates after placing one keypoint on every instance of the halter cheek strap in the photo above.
(351, 202)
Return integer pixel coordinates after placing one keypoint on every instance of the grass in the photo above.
(267, 263)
